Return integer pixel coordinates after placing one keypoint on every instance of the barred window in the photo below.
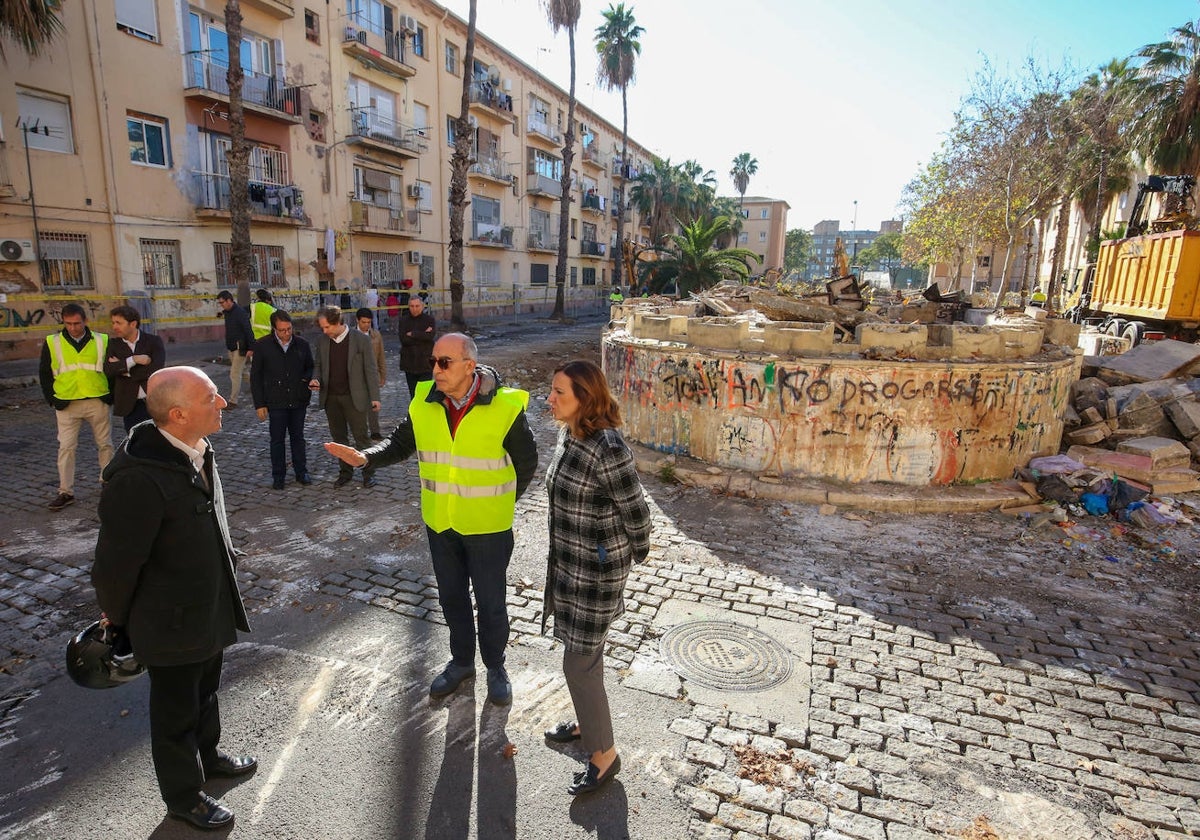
(589, 277)
(266, 265)
(382, 268)
(539, 274)
(487, 273)
(160, 262)
(66, 261)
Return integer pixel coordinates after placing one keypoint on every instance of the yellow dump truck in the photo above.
(1147, 285)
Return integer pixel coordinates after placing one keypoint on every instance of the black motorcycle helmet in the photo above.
(98, 657)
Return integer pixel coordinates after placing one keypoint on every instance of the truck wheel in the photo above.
(1133, 331)
(1114, 327)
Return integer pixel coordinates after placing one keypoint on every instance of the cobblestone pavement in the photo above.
(970, 676)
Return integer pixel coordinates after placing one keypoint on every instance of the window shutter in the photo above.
(137, 14)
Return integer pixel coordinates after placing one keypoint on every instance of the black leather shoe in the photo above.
(564, 733)
(342, 480)
(450, 679)
(207, 813)
(277, 485)
(590, 780)
(370, 481)
(499, 687)
(304, 478)
(230, 766)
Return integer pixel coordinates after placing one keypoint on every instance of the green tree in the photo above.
(797, 250)
(1166, 96)
(564, 14)
(31, 23)
(460, 159)
(618, 47)
(743, 167)
(884, 252)
(692, 262)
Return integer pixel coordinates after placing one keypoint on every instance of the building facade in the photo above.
(764, 230)
(114, 185)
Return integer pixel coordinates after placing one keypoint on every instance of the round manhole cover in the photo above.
(726, 656)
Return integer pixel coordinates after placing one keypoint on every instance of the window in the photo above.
(450, 134)
(743, 238)
(382, 268)
(589, 232)
(589, 276)
(312, 26)
(485, 219)
(137, 17)
(543, 163)
(451, 59)
(377, 187)
(266, 265)
(46, 121)
(419, 41)
(539, 275)
(149, 142)
(764, 214)
(370, 14)
(65, 260)
(983, 261)
(425, 202)
(160, 262)
(762, 236)
(574, 276)
(487, 273)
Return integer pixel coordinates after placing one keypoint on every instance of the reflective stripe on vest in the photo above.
(468, 482)
(260, 318)
(78, 374)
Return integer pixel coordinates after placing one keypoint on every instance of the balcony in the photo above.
(627, 171)
(266, 95)
(538, 126)
(368, 128)
(491, 168)
(594, 157)
(542, 240)
(491, 234)
(269, 203)
(538, 184)
(593, 203)
(383, 52)
(592, 248)
(281, 9)
(486, 96)
(366, 217)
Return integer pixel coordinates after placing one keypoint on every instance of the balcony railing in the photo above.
(591, 248)
(363, 42)
(540, 184)
(624, 170)
(368, 125)
(490, 233)
(483, 92)
(593, 155)
(491, 167)
(264, 91)
(542, 240)
(591, 201)
(538, 124)
(270, 200)
(365, 215)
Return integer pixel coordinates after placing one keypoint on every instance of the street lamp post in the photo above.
(854, 232)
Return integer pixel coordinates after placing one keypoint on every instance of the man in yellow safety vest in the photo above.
(71, 372)
(260, 314)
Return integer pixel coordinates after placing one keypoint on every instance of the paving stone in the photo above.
(786, 828)
(759, 797)
(703, 802)
(1155, 816)
(857, 825)
(742, 819)
(806, 810)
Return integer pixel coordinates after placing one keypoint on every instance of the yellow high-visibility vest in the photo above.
(468, 482)
(260, 318)
(78, 374)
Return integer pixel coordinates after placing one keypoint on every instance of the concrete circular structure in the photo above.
(908, 404)
(726, 656)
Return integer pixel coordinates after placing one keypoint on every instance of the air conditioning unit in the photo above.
(508, 85)
(16, 250)
(414, 191)
(408, 23)
(414, 257)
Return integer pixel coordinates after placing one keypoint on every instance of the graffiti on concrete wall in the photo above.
(851, 420)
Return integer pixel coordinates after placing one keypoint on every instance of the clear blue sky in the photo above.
(838, 101)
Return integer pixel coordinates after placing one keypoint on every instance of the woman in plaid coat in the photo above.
(599, 527)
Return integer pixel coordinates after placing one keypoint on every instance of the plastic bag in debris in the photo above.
(1054, 487)
(1147, 515)
(1051, 464)
(1095, 503)
(1123, 494)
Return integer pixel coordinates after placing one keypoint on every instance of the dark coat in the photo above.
(518, 443)
(599, 527)
(164, 567)
(238, 334)
(417, 337)
(126, 380)
(279, 379)
(364, 378)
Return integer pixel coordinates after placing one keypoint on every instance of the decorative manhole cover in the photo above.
(726, 656)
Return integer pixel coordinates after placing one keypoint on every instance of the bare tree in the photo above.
(564, 14)
(459, 161)
(238, 160)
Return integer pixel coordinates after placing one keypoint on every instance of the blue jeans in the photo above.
(290, 422)
(478, 562)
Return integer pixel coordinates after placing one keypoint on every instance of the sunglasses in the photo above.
(443, 362)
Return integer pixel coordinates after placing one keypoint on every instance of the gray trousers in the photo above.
(585, 681)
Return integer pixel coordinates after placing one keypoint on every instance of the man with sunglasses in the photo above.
(477, 455)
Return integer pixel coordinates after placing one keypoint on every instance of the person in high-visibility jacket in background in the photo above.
(477, 455)
(260, 314)
(615, 295)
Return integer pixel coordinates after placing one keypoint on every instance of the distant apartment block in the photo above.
(764, 230)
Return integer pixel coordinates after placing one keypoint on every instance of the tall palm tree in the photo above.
(31, 23)
(743, 167)
(692, 262)
(618, 47)
(564, 14)
(238, 160)
(1167, 98)
(459, 161)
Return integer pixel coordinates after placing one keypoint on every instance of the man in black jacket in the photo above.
(164, 575)
(239, 341)
(279, 377)
(132, 356)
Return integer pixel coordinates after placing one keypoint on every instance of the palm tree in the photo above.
(618, 46)
(693, 263)
(31, 23)
(459, 161)
(564, 14)
(1167, 132)
(743, 167)
(238, 160)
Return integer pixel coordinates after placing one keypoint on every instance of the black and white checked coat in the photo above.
(599, 527)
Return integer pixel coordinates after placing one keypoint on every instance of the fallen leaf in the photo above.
(510, 750)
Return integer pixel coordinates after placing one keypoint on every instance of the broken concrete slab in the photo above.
(1164, 453)
(1145, 414)
(1089, 392)
(1186, 417)
(1136, 467)
(1157, 360)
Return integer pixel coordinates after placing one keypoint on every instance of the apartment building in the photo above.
(349, 109)
(764, 230)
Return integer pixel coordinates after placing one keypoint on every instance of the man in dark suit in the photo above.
(132, 357)
(239, 341)
(165, 576)
(279, 377)
(348, 385)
